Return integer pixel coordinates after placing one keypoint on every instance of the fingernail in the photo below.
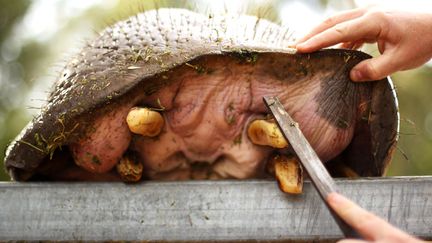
(356, 75)
(302, 46)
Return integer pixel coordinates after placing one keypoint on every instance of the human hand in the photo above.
(369, 226)
(404, 39)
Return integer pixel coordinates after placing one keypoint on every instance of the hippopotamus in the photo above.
(170, 94)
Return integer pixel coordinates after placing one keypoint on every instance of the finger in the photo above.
(332, 21)
(350, 31)
(376, 68)
(352, 45)
(366, 223)
(351, 241)
(346, 45)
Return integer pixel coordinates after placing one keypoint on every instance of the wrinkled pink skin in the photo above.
(198, 127)
(100, 151)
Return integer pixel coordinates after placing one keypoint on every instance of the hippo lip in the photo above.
(127, 56)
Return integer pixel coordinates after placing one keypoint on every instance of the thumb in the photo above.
(375, 68)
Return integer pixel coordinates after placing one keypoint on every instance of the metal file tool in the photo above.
(310, 161)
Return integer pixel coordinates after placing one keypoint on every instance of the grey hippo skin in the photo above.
(206, 75)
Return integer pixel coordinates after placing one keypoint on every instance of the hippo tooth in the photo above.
(264, 132)
(145, 121)
(289, 173)
(129, 170)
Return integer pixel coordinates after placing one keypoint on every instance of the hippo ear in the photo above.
(371, 149)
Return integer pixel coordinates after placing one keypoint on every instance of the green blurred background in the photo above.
(37, 37)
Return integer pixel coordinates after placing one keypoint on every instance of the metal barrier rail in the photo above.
(202, 211)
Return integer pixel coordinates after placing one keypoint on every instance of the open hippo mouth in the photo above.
(172, 94)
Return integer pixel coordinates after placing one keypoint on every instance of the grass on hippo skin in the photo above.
(237, 140)
(54, 142)
(160, 108)
(230, 118)
(198, 68)
(246, 56)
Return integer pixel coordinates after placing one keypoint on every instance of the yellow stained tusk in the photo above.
(263, 132)
(145, 121)
(129, 170)
(289, 174)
